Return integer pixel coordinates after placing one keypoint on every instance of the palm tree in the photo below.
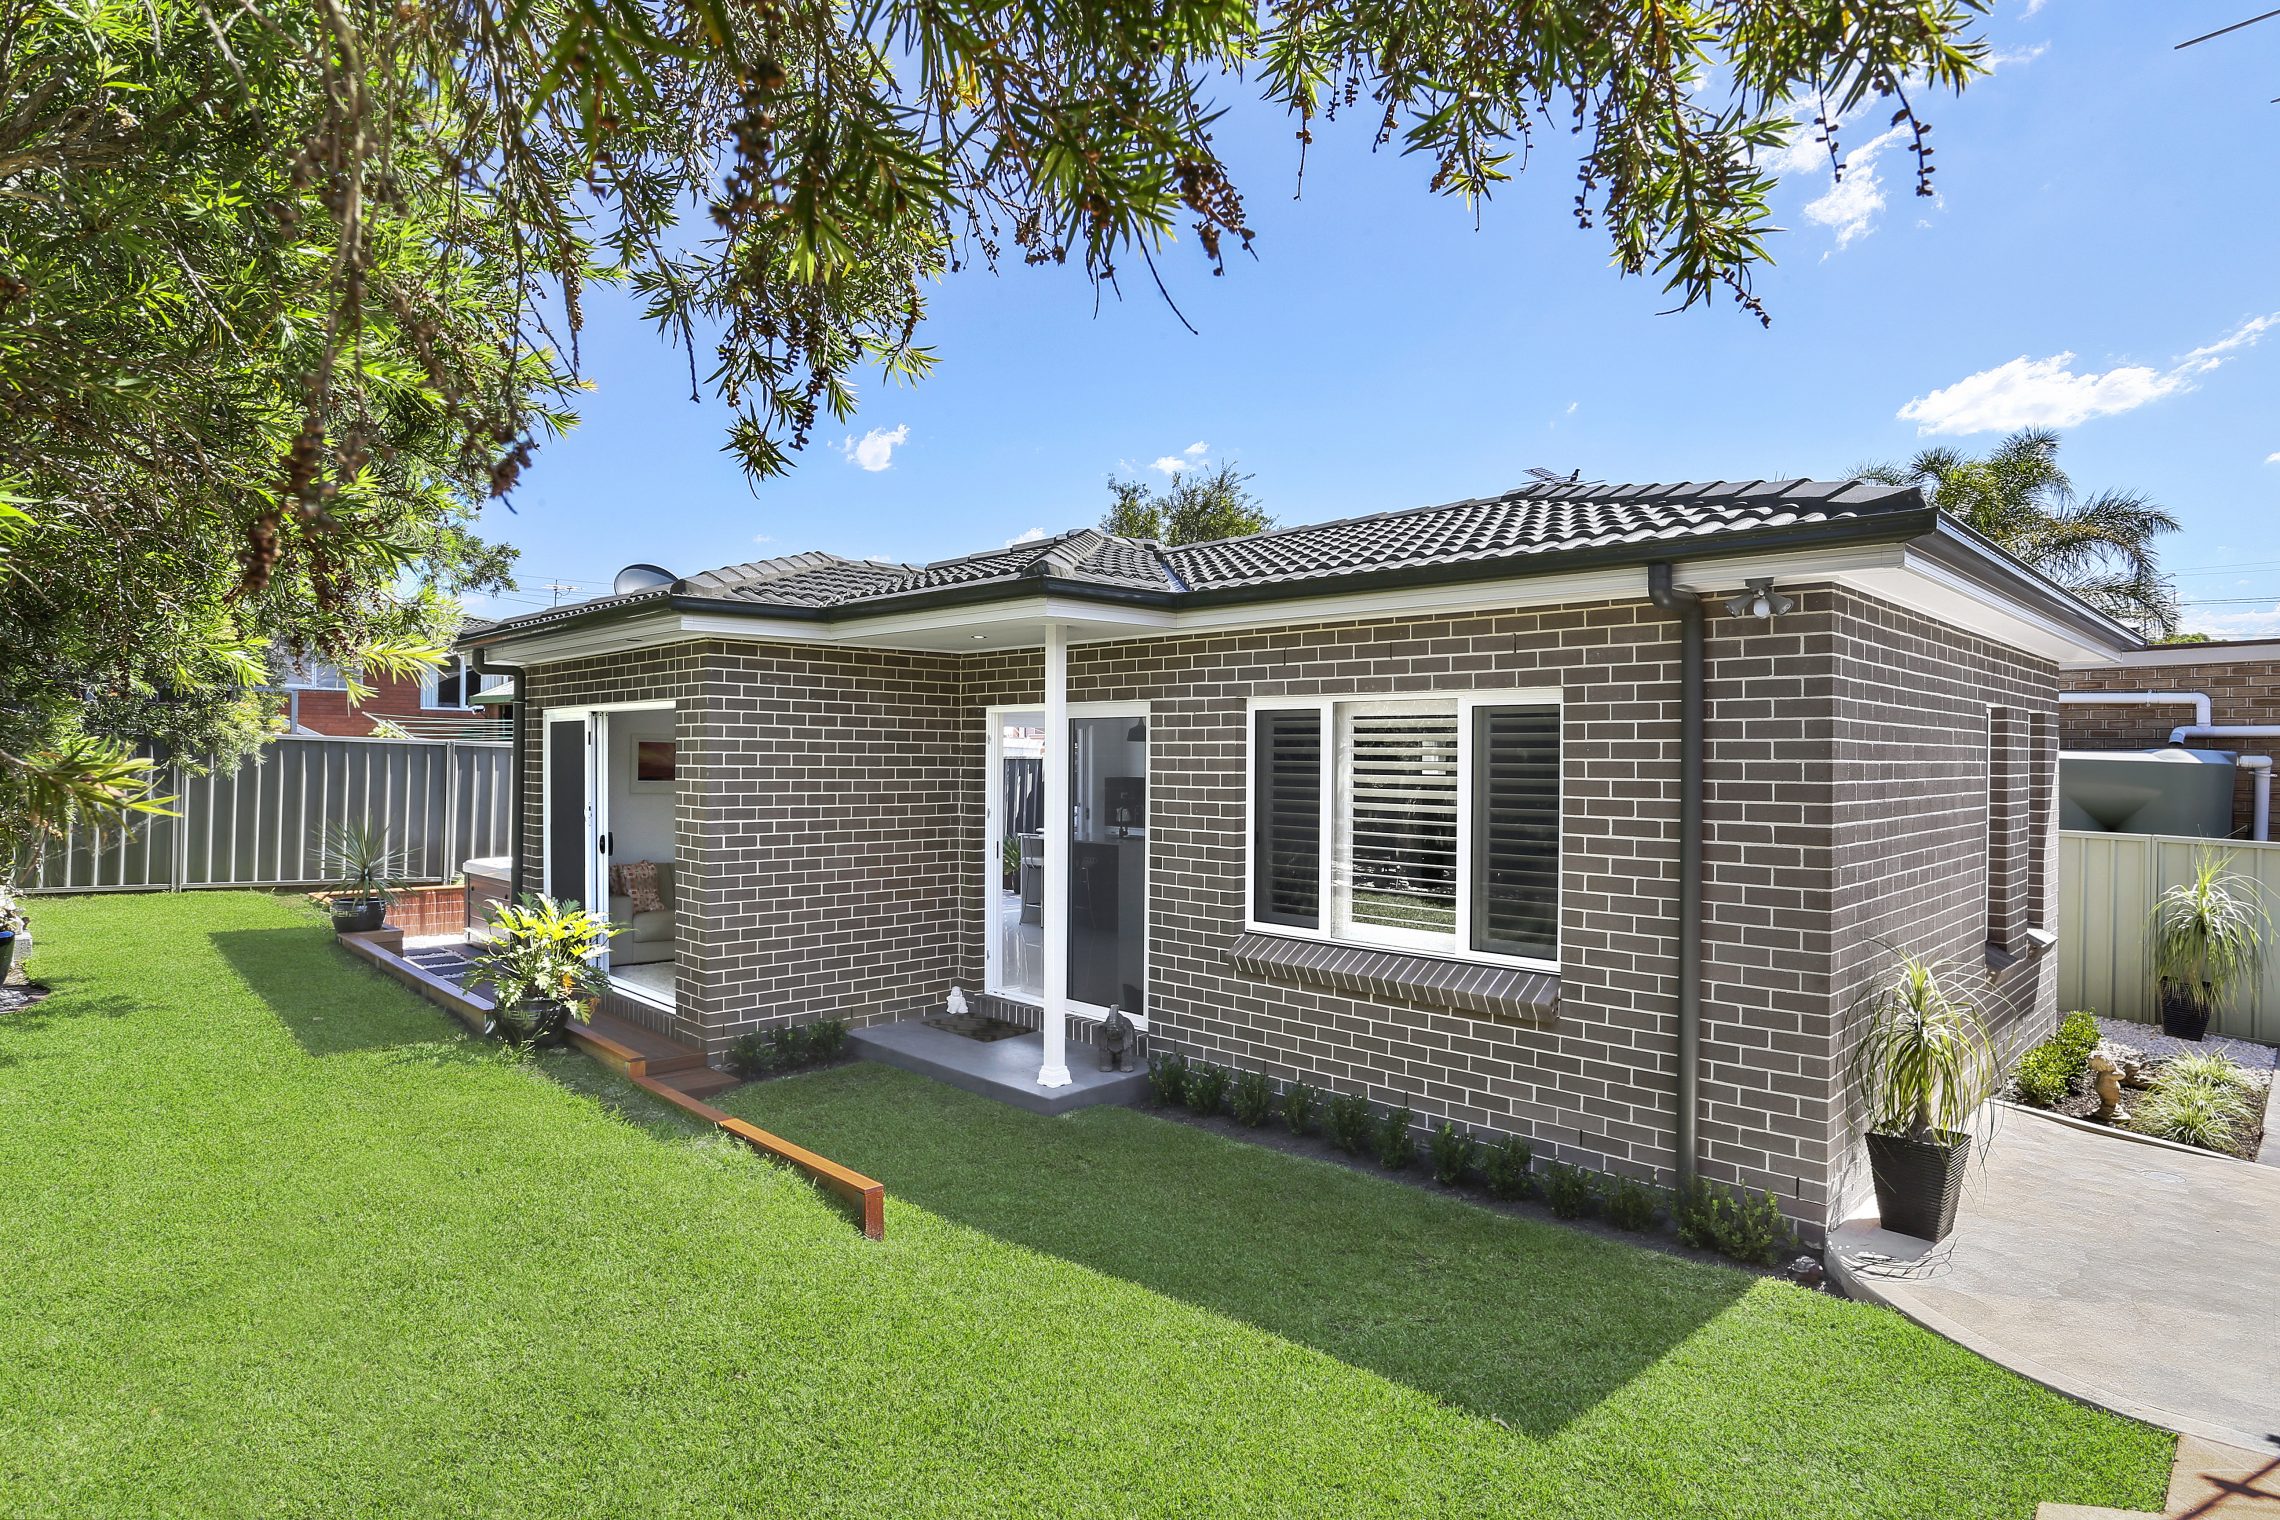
(2098, 547)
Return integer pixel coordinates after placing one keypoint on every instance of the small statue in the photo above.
(2106, 1077)
(1116, 1037)
(956, 1007)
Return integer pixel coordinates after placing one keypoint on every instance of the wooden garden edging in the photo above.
(382, 948)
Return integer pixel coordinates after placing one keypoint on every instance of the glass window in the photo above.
(1443, 829)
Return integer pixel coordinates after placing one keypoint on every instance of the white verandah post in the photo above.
(1055, 1070)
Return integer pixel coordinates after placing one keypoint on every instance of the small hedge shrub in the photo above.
(1396, 1146)
(1206, 1087)
(1453, 1154)
(1252, 1100)
(1167, 1078)
(1346, 1118)
(1507, 1168)
(1629, 1204)
(1300, 1104)
(1568, 1190)
(2048, 1072)
(756, 1055)
(1730, 1222)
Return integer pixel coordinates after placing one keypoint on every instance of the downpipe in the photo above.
(478, 660)
(1688, 609)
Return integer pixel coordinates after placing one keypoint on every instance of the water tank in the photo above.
(2147, 791)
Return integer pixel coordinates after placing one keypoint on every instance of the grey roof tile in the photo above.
(1533, 524)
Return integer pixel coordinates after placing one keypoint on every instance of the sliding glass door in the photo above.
(1107, 920)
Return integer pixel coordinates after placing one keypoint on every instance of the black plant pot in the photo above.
(532, 1022)
(1918, 1182)
(2184, 1012)
(358, 915)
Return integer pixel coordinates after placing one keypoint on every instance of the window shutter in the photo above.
(1516, 831)
(1402, 821)
(1286, 845)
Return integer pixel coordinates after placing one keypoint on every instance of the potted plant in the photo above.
(15, 929)
(1921, 1068)
(2208, 933)
(542, 964)
(363, 866)
(1009, 864)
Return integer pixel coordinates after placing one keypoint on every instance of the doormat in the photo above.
(975, 1026)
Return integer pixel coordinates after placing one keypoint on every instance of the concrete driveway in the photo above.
(2145, 1278)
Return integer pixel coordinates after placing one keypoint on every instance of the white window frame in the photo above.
(314, 675)
(471, 683)
(1337, 779)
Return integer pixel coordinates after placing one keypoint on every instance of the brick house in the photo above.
(1585, 813)
(2239, 680)
(453, 701)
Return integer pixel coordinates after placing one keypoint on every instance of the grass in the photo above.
(282, 1241)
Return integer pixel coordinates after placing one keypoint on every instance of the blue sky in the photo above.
(2100, 258)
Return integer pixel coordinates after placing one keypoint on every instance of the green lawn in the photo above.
(280, 1240)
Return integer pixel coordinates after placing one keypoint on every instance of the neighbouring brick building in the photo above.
(1392, 805)
(2241, 679)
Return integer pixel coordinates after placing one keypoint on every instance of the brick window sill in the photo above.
(1474, 987)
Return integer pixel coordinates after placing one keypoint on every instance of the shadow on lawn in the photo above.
(1523, 1322)
(330, 1004)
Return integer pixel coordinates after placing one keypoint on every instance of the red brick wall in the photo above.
(329, 712)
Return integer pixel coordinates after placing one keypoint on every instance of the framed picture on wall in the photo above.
(655, 765)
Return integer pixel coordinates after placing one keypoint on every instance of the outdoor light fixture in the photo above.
(1760, 600)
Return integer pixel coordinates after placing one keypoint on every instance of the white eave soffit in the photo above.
(1893, 572)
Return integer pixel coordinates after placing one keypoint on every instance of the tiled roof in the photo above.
(1531, 524)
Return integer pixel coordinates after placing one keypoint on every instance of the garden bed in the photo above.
(2144, 1051)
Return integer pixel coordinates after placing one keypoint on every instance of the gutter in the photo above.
(1664, 594)
(481, 665)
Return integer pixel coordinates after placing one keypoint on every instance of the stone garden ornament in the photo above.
(1116, 1039)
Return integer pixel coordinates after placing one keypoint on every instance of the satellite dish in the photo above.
(641, 578)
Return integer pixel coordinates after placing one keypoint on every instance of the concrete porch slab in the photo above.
(2145, 1279)
(1002, 1069)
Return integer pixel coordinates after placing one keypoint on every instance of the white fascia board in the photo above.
(2161, 655)
(1893, 572)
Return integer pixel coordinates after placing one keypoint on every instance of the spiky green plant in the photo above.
(2193, 1108)
(2208, 931)
(361, 860)
(2208, 1067)
(1924, 1063)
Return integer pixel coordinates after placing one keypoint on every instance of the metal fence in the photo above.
(2107, 884)
(263, 824)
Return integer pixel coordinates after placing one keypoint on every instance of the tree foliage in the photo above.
(2101, 547)
(224, 434)
(289, 287)
(1198, 505)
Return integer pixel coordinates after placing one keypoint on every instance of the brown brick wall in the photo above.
(2245, 691)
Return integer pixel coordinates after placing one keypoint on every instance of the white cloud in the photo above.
(1850, 205)
(2272, 459)
(1572, 405)
(1031, 537)
(2033, 6)
(2248, 624)
(763, 538)
(2048, 392)
(2000, 59)
(875, 450)
(1186, 459)
(2243, 336)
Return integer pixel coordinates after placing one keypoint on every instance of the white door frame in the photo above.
(595, 718)
(993, 812)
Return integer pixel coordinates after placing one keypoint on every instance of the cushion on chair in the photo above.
(637, 881)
